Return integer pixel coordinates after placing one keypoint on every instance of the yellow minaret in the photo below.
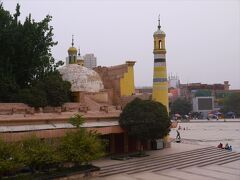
(160, 84)
(72, 54)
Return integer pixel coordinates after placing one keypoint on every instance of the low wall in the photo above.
(15, 108)
(54, 133)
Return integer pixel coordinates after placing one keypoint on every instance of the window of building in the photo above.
(160, 44)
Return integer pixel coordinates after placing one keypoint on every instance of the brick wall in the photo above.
(111, 79)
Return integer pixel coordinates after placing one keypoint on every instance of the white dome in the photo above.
(81, 78)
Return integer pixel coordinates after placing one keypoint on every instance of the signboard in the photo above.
(205, 104)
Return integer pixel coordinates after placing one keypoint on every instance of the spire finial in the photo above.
(79, 51)
(159, 26)
(72, 40)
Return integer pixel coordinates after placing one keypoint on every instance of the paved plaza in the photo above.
(181, 161)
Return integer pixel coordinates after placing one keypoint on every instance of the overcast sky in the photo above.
(202, 36)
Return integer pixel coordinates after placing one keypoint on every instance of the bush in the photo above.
(81, 147)
(37, 154)
(145, 120)
(9, 158)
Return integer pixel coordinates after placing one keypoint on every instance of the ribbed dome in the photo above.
(81, 78)
(72, 50)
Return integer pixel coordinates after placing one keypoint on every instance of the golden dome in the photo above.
(72, 50)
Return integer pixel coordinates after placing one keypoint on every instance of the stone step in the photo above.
(166, 163)
(161, 160)
(230, 159)
(185, 175)
(211, 173)
(143, 160)
(154, 157)
(210, 160)
(189, 162)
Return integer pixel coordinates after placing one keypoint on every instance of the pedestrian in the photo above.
(220, 145)
(178, 135)
(226, 146)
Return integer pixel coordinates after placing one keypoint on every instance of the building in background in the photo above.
(173, 81)
(203, 105)
(90, 61)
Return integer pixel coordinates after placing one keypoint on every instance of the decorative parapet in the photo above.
(104, 108)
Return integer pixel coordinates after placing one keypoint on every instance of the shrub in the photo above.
(81, 147)
(9, 158)
(38, 154)
(145, 119)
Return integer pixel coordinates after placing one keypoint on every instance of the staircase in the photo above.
(183, 163)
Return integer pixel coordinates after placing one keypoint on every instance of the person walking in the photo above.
(178, 135)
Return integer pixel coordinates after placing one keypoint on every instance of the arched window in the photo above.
(70, 59)
(160, 44)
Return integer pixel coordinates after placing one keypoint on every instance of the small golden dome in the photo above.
(72, 50)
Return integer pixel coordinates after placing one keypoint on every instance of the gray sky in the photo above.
(202, 36)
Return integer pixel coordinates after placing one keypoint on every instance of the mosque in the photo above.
(99, 94)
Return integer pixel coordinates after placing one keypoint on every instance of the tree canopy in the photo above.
(231, 103)
(181, 106)
(145, 119)
(27, 68)
(25, 47)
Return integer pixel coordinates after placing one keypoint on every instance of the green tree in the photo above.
(9, 158)
(81, 146)
(38, 154)
(181, 106)
(25, 47)
(145, 119)
(28, 72)
(77, 120)
(232, 103)
(8, 89)
(34, 97)
(57, 90)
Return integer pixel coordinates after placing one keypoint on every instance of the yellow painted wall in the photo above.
(160, 94)
(127, 82)
(160, 89)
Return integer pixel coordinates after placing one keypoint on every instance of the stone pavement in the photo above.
(184, 162)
